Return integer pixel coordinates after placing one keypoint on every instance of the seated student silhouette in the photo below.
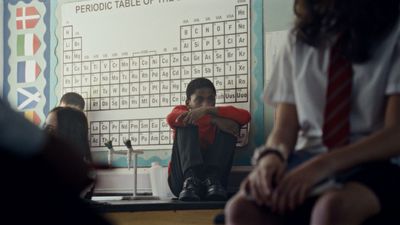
(71, 125)
(44, 176)
(73, 100)
(336, 88)
(204, 142)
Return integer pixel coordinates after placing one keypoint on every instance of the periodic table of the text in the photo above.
(132, 61)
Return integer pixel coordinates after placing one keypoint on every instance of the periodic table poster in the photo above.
(132, 59)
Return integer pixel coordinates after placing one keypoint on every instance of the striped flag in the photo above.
(27, 98)
(33, 117)
(27, 44)
(27, 17)
(27, 71)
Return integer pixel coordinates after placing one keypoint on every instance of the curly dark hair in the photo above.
(362, 24)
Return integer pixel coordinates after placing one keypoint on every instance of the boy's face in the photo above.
(200, 98)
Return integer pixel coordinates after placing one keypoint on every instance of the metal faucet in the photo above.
(128, 154)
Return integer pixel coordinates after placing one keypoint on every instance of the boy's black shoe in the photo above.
(219, 219)
(214, 190)
(191, 190)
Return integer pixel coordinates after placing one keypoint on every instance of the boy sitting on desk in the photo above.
(204, 141)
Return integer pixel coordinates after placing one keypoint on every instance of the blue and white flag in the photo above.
(27, 98)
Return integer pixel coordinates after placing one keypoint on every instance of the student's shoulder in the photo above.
(292, 47)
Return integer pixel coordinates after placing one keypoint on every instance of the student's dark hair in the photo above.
(72, 98)
(197, 84)
(362, 24)
(72, 126)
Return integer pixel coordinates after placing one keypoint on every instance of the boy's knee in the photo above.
(188, 128)
(228, 136)
(329, 209)
(235, 209)
(352, 204)
(187, 131)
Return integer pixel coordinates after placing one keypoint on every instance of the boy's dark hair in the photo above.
(197, 84)
(72, 126)
(362, 24)
(72, 98)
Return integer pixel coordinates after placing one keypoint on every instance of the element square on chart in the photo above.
(67, 32)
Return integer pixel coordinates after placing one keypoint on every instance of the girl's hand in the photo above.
(260, 183)
(296, 185)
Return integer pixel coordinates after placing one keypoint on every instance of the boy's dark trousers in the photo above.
(186, 154)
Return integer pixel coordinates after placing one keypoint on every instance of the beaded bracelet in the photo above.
(262, 151)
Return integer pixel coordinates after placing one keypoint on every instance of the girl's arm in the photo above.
(380, 145)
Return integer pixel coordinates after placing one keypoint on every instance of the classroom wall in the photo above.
(48, 61)
(278, 17)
